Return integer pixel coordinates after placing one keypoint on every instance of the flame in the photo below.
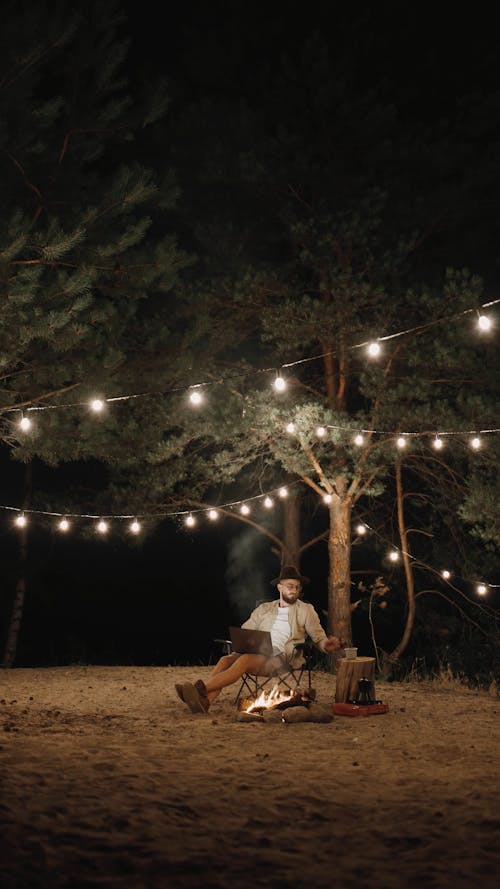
(269, 699)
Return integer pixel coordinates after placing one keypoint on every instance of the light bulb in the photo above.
(63, 525)
(394, 556)
(97, 405)
(268, 503)
(374, 349)
(359, 440)
(446, 574)
(25, 424)
(283, 492)
(213, 515)
(481, 589)
(321, 431)
(290, 428)
(279, 384)
(245, 510)
(327, 498)
(361, 529)
(484, 323)
(102, 527)
(135, 527)
(21, 521)
(437, 443)
(401, 441)
(475, 443)
(196, 397)
(190, 521)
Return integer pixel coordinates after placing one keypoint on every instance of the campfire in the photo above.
(294, 705)
(269, 699)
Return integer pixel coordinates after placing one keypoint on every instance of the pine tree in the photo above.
(88, 262)
(317, 241)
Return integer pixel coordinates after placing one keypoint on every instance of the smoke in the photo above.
(248, 574)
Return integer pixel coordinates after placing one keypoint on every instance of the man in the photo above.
(288, 619)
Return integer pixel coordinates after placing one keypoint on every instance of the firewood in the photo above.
(296, 714)
(241, 716)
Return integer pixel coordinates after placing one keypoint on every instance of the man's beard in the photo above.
(290, 601)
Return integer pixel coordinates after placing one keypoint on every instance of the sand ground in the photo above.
(107, 780)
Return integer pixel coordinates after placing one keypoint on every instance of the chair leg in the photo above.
(250, 683)
(255, 685)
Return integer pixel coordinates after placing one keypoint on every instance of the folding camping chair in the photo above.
(290, 678)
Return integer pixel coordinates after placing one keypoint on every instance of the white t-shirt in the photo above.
(280, 630)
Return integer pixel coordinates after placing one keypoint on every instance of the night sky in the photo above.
(164, 599)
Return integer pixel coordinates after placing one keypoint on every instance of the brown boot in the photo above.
(202, 691)
(197, 703)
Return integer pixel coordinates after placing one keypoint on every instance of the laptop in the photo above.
(251, 641)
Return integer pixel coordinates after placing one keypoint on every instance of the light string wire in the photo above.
(420, 563)
(248, 373)
(205, 510)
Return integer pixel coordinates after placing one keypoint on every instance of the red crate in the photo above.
(359, 709)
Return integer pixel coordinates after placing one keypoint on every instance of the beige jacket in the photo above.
(303, 620)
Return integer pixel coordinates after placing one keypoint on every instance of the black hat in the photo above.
(288, 572)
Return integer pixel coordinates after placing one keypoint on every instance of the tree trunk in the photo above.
(339, 580)
(18, 603)
(410, 587)
(291, 530)
(348, 675)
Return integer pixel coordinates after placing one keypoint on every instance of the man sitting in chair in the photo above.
(288, 619)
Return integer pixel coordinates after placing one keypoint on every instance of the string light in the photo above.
(102, 527)
(359, 440)
(481, 589)
(280, 384)
(373, 347)
(290, 428)
(484, 322)
(374, 350)
(438, 443)
(25, 424)
(196, 397)
(283, 492)
(475, 443)
(401, 441)
(321, 431)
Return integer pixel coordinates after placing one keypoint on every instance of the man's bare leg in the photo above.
(235, 665)
(222, 664)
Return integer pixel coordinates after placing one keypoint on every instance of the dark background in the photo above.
(165, 598)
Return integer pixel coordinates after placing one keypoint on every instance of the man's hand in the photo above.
(331, 643)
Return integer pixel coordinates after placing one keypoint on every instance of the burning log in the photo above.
(276, 700)
(290, 715)
(290, 707)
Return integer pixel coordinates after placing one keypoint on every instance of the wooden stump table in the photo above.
(350, 671)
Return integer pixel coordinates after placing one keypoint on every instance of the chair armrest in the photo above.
(226, 645)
